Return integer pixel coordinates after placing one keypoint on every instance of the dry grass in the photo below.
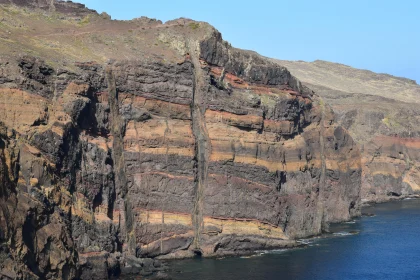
(61, 40)
(347, 79)
(366, 103)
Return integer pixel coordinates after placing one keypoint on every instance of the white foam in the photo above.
(276, 251)
(305, 241)
(342, 233)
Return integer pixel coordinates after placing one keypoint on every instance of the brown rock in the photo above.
(164, 144)
(382, 114)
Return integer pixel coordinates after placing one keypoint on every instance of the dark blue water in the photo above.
(386, 246)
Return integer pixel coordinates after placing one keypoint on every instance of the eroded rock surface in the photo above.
(145, 152)
(382, 114)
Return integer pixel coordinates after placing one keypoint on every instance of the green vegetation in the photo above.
(391, 122)
(11, 10)
(268, 101)
(85, 21)
(194, 25)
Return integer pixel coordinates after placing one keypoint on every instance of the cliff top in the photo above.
(367, 104)
(63, 32)
(344, 78)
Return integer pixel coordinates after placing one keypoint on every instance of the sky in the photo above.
(378, 35)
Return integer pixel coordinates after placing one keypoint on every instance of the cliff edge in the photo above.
(125, 142)
(381, 112)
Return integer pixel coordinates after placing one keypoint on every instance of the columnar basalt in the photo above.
(189, 147)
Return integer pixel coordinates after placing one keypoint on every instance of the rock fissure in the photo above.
(117, 127)
(202, 148)
(322, 179)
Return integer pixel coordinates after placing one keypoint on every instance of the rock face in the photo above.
(382, 114)
(164, 142)
(66, 7)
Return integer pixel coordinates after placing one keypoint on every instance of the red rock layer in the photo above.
(223, 153)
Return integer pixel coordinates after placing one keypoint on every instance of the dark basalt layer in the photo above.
(193, 147)
(382, 114)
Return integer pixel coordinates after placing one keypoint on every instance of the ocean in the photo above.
(383, 246)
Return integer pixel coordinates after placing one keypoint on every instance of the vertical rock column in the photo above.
(322, 179)
(202, 149)
(117, 128)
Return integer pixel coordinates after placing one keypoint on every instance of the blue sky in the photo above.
(379, 35)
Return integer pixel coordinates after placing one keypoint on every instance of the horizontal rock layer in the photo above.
(382, 114)
(108, 166)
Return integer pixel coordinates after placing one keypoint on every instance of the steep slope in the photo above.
(382, 114)
(127, 142)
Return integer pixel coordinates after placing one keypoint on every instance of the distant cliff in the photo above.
(382, 114)
(124, 142)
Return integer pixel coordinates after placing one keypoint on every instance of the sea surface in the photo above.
(384, 246)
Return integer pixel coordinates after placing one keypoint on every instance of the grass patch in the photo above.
(85, 21)
(268, 101)
(194, 25)
(390, 122)
(11, 10)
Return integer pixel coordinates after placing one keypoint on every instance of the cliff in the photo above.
(125, 142)
(382, 114)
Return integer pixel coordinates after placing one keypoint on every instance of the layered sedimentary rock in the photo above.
(382, 114)
(136, 141)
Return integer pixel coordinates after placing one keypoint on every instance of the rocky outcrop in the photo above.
(381, 113)
(189, 148)
(68, 8)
